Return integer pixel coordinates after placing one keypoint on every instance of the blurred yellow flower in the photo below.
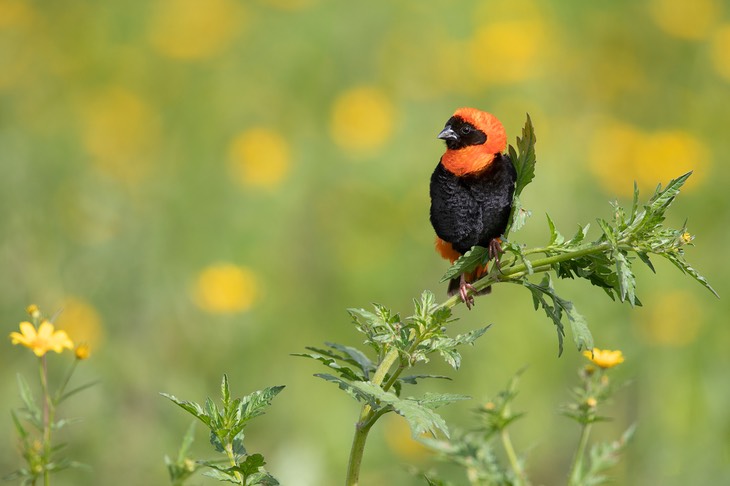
(720, 51)
(685, 19)
(620, 154)
(259, 157)
(611, 155)
(225, 288)
(686, 238)
(33, 311)
(42, 340)
(604, 358)
(503, 52)
(674, 319)
(15, 13)
(664, 155)
(290, 4)
(82, 321)
(190, 30)
(82, 352)
(399, 439)
(362, 119)
(120, 131)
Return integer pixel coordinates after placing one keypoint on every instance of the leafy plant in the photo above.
(226, 425)
(399, 344)
(36, 443)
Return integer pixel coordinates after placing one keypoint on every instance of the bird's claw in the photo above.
(464, 289)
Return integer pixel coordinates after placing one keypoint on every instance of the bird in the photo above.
(471, 192)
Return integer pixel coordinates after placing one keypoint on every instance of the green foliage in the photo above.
(605, 262)
(226, 425)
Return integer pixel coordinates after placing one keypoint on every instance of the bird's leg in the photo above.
(495, 250)
(464, 288)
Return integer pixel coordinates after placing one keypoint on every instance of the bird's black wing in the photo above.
(456, 215)
(493, 190)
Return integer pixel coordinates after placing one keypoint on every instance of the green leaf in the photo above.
(190, 407)
(525, 162)
(436, 400)
(579, 327)
(555, 237)
(225, 391)
(357, 357)
(413, 379)
(420, 418)
(678, 260)
(343, 371)
(467, 262)
(76, 390)
(19, 426)
(34, 412)
(187, 441)
(255, 404)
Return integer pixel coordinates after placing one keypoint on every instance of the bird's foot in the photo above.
(464, 288)
(495, 250)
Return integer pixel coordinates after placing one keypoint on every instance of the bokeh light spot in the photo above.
(362, 119)
(505, 52)
(120, 131)
(720, 51)
(620, 154)
(399, 439)
(666, 155)
(191, 30)
(81, 321)
(687, 20)
(259, 157)
(290, 5)
(674, 319)
(225, 288)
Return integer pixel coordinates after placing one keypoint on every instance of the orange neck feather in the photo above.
(467, 160)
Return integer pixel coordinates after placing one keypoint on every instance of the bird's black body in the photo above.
(472, 209)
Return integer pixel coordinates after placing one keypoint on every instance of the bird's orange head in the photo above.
(472, 137)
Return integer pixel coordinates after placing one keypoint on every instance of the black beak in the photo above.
(448, 134)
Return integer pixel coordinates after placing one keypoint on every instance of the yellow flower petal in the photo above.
(604, 358)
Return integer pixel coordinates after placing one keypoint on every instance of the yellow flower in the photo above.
(42, 340)
(33, 311)
(226, 288)
(82, 351)
(720, 51)
(686, 238)
(591, 402)
(362, 119)
(192, 30)
(259, 157)
(604, 358)
(686, 20)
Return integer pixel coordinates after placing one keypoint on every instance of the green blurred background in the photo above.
(206, 186)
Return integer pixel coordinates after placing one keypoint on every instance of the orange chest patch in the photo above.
(466, 160)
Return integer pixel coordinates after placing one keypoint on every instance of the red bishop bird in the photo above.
(471, 191)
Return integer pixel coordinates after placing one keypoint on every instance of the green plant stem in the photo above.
(576, 469)
(48, 417)
(512, 457)
(538, 265)
(367, 419)
(232, 460)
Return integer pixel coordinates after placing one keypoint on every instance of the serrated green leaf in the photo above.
(420, 418)
(555, 237)
(436, 400)
(212, 411)
(344, 371)
(357, 357)
(626, 279)
(525, 162)
(256, 403)
(225, 391)
(686, 268)
(191, 407)
(413, 379)
(467, 262)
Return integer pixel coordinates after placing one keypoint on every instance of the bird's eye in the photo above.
(465, 130)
